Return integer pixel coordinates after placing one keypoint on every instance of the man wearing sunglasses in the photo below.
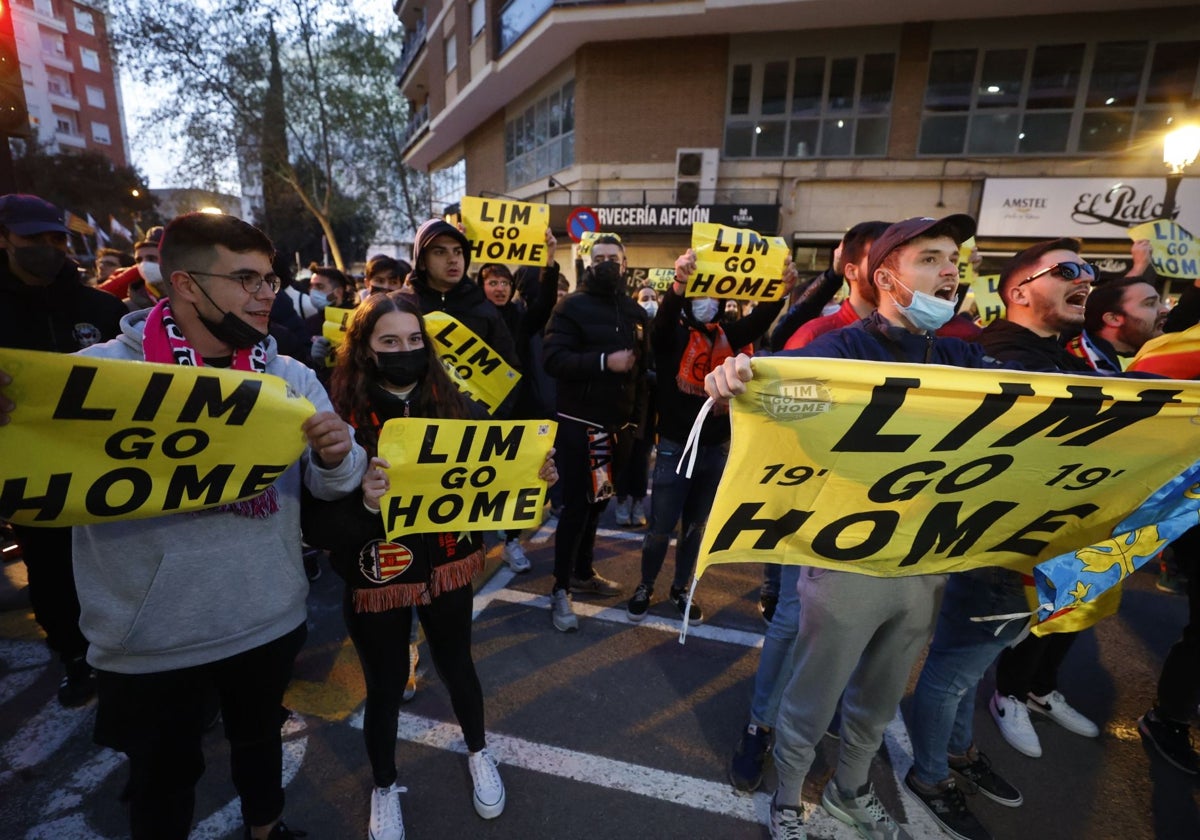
(178, 607)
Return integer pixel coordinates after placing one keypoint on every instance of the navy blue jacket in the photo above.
(875, 339)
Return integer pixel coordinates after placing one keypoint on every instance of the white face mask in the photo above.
(704, 309)
(151, 272)
(651, 307)
(924, 311)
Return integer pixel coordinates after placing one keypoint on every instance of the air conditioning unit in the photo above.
(695, 176)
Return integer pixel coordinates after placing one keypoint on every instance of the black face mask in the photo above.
(607, 278)
(42, 261)
(231, 329)
(403, 367)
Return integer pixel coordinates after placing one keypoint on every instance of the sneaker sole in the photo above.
(1146, 736)
(518, 570)
(564, 627)
(932, 813)
(489, 812)
(838, 814)
(634, 616)
(969, 786)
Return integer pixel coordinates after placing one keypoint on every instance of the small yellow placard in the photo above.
(1173, 251)
(510, 232)
(736, 263)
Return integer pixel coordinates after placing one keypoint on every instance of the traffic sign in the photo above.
(580, 221)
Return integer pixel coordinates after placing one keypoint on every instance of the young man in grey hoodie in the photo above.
(179, 606)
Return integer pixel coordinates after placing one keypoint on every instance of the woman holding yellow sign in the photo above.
(386, 370)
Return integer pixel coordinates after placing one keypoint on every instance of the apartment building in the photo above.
(70, 80)
(801, 118)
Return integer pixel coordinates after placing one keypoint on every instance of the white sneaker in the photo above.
(489, 789)
(1012, 717)
(386, 823)
(562, 613)
(637, 513)
(514, 556)
(622, 507)
(1056, 707)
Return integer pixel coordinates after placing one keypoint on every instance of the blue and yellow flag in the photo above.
(897, 469)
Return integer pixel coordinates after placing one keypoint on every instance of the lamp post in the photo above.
(1180, 148)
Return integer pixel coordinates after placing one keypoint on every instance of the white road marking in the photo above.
(40, 737)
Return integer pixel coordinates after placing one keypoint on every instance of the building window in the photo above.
(84, 21)
(478, 16)
(52, 43)
(90, 59)
(451, 48)
(1055, 98)
(541, 139)
(95, 96)
(65, 124)
(810, 106)
(516, 16)
(45, 7)
(58, 83)
(100, 133)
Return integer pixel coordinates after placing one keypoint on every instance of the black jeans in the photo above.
(158, 720)
(1031, 667)
(47, 555)
(381, 640)
(575, 537)
(1179, 683)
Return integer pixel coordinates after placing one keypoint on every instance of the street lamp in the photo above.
(1180, 148)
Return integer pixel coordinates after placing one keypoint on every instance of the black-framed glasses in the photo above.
(251, 281)
(1069, 271)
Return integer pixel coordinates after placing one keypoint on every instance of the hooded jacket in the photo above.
(192, 588)
(62, 317)
(465, 301)
(598, 320)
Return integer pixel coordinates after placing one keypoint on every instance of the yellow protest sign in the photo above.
(1173, 251)
(476, 368)
(93, 440)
(986, 290)
(463, 475)
(966, 271)
(337, 320)
(510, 232)
(897, 469)
(660, 279)
(588, 238)
(736, 263)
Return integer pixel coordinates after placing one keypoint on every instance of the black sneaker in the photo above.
(79, 684)
(766, 607)
(980, 777)
(281, 832)
(1172, 740)
(948, 807)
(679, 598)
(639, 603)
(746, 766)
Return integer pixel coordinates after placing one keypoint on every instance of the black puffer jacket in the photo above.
(63, 317)
(598, 320)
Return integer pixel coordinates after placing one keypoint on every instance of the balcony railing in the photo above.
(416, 124)
(414, 42)
(665, 196)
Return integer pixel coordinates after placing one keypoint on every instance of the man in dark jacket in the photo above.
(44, 306)
(596, 348)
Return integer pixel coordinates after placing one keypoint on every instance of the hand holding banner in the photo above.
(736, 263)
(1173, 251)
(93, 439)
(463, 475)
(510, 232)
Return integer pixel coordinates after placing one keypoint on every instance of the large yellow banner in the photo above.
(896, 469)
(476, 368)
(510, 232)
(736, 263)
(93, 440)
(463, 475)
(1173, 251)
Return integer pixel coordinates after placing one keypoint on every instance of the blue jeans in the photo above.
(775, 663)
(943, 707)
(679, 499)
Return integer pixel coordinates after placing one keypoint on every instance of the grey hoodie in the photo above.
(191, 588)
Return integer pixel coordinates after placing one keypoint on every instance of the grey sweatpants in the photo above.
(860, 635)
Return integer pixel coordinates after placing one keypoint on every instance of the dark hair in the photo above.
(190, 241)
(1021, 262)
(495, 268)
(1106, 298)
(123, 258)
(858, 239)
(349, 387)
(383, 264)
(332, 275)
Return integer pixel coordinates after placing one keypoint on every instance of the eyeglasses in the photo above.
(251, 281)
(1069, 271)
